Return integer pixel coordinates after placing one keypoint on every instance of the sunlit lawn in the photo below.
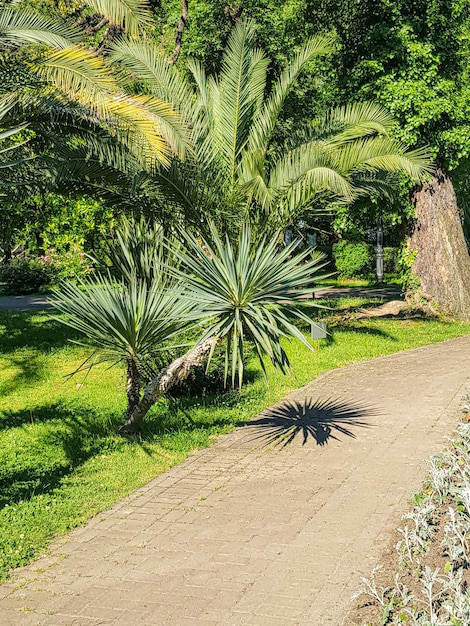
(60, 461)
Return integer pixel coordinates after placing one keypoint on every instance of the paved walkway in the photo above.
(24, 303)
(271, 525)
(42, 302)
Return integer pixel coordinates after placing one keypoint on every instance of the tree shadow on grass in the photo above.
(320, 420)
(26, 339)
(79, 435)
(38, 331)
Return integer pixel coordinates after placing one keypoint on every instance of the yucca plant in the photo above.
(248, 292)
(126, 322)
(140, 251)
(232, 294)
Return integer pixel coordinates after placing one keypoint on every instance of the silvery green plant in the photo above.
(415, 538)
(443, 599)
(440, 472)
(455, 537)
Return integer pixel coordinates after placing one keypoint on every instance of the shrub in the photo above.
(27, 273)
(391, 260)
(353, 259)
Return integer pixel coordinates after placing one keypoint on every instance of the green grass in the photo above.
(60, 460)
(343, 281)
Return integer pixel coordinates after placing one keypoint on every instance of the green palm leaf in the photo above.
(261, 132)
(80, 74)
(144, 62)
(23, 27)
(381, 153)
(130, 15)
(237, 95)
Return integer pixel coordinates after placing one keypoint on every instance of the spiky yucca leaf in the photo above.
(130, 321)
(141, 251)
(249, 293)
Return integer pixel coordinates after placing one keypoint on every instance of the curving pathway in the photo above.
(273, 524)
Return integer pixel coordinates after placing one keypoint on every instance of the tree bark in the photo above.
(442, 262)
(133, 385)
(180, 30)
(166, 379)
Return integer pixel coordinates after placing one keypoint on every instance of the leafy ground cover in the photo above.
(60, 459)
(424, 576)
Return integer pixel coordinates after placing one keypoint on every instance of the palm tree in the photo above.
(237, 172)
(72, 86)
(232, 171)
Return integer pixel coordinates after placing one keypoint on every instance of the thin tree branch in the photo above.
(180, 30)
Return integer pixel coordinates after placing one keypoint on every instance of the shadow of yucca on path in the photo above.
(320, 420)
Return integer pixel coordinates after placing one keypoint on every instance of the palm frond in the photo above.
(130, 15)
(381, 153)
(264, 125)
(149, 127)
(236, 95)
(306, 171)
(353, 121)
(24, 27)
(145, 63)
(80, 74)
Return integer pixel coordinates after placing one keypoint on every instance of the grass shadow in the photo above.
(79, 435)
(34, 330)
(319, 420)
(26, 339)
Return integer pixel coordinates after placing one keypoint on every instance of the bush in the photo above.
(391, 260)
(26, 273)
(354, 259)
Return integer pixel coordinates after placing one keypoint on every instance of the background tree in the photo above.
(414, 58)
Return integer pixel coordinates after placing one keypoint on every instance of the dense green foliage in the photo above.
(25, 273)
(354, 258)
(253, 152)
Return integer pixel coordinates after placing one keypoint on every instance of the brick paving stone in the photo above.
(247, 534)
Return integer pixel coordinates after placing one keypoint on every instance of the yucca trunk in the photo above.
(166, 379)
(133, 386)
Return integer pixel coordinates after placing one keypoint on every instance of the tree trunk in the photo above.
(166, 379)
(132, 386)
(442, 262)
